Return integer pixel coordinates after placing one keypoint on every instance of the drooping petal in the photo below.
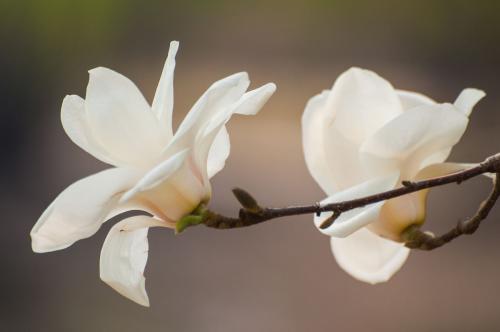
(163, 102)
(75, 123)
(368, 257)
(124, 256)
(121, 119)
(352, 220)
(467, 99)
(411, 99)
(405, 142)
(80, 209)
(362, 102)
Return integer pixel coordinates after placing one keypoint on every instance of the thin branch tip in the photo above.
(252, 213)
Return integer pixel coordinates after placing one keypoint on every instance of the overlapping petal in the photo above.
(410, 99)
(368, 257)
(362, 102)
(355, 219)
(212, 147)
(121, 119)
(76, 124)
(80, 209)
(218, 97)
(405, 142)
(172, 189)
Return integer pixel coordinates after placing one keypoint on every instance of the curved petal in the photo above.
(467, 99)
(212, 154)
(80, 209)
(350, 221)
(314, 125)
(221, 95)
(252, 101)
(172, 189)
(157, 175)
(405, 142)
(399, 213)
(368, 257)
(76, 125)
(163, 102)
(411, 99)
(219, 151)
(124, 255)
(121, 119)
(362, 102)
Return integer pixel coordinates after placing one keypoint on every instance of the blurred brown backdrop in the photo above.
(279, 276)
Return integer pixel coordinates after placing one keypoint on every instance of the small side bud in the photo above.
(329, 221)
(246, 200)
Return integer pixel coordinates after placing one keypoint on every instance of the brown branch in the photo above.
(252, 213)
(417, 239)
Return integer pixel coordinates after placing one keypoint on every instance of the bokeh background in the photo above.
(279, 276)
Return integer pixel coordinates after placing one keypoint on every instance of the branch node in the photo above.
(407, 183)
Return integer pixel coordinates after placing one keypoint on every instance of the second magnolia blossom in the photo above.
(155, 170)
(363, 137)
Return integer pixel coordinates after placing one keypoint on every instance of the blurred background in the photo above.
(279, 276)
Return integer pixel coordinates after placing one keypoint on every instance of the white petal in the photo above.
(344, 162)
(314, 126)
(399, 213)
(442, 169)
(362, 102)
(405, 142)
(352, 220)
(467, 99)
(163, 102)
(172, 192)
(221, 95)
(252, 101)
(212, 145)
(157, 175)
(121, 119)
(368, 257)
(75, 123)
(212, 161)
(219, 151)
(411, 99)
(80, 209)
(124, 256)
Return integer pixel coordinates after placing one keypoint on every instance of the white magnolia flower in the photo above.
(363, 137)
(155, 170)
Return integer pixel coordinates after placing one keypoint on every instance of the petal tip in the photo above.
(270, 87)
(468, 98)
